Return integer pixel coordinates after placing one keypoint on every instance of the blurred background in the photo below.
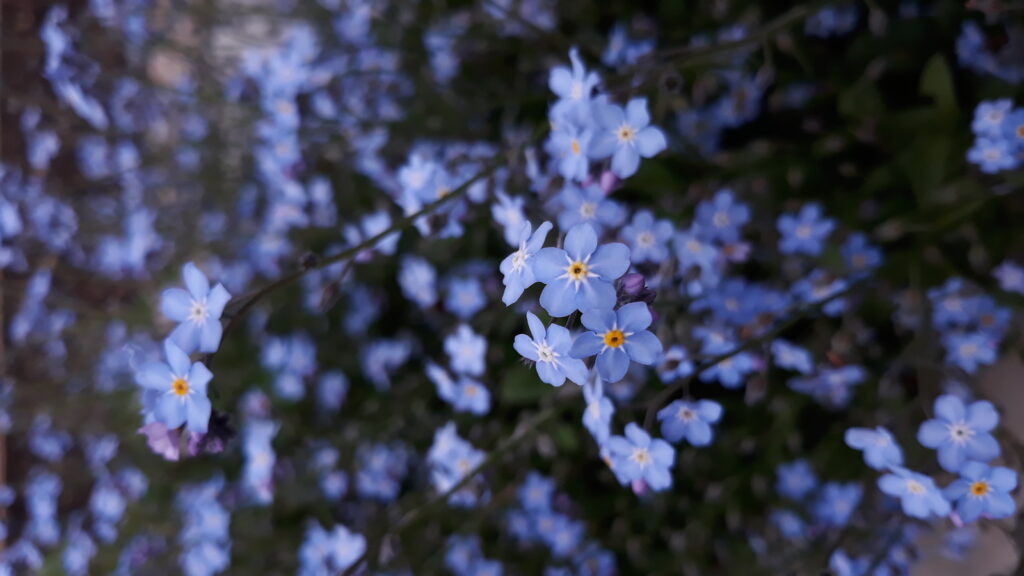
(287, 149)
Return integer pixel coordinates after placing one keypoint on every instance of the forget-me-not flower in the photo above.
(983, 490)
(960, 433)
(617, 337)
(580, 276)
(198, 310)
(881, 451)
(549, 348)
(918, 494)
(804, 233)
(625, 135)
(690, 420)
(637, 456)
(517, 268)
(178, 390)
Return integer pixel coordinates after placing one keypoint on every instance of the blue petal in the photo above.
(525, 347)
(199, 377)
(949, 408)
(951, 457)
(199, 414)
(602, 145)
(982, 416)
(558, 298)
(596, 294)
(186, 336)
(586, 345)
(216, 301)
(608, 116)
(625, 162)
(599, 320)
(610, 261)
(580, 242)
(636, 113)
(210, 335)
(643, 347)
(612, 364)
(549, 263)
(171, 410)
(650, 141)
(983, 448)
(176, 304)
(970, 509)
(933, 434)
(575, 370)
(538, 237)
(634, 317)
(176, 358)
(709, 411)
(154, 376)
(1003, 479)
(1001, 505)
(699, 433)
(536, 326)
(859, 438)
(549, 374)
(196, 281)
(559, 338)
(892, 485)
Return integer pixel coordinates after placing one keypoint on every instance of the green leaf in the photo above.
(522, 386)
(937, 82)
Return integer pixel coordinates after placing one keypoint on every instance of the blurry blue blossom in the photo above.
(617, 337)
(983, 491)
(881, 451)
(960, 433)
(197, 310)
(517, 268)
(177, 390)
(689, 420)
(638, 457)
(549, 348)
(918, 494)
(804, 233)
(625, 135)
(580, 276)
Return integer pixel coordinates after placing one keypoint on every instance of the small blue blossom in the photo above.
(549, 348)
(837, 502)
(791, 357)
(796, 479)
(573, 87)
(983, 491)
(648, 238)
(860, 255)
(918, 494)
(960, 433)
(638, 457)
(177, 390)
(198, 310)
(804, 233)
(990, 117)
(580, 276)
(675, 363)
(1010, 277)
(969, 351)
(993, 155)
(722, 218)
(625, 135)
(517, 268)
(465, 297)
(617, 337)
(536, 492)
(587, 205)
(597, 417)
(466, 350)
(690, 420)
(881, 451)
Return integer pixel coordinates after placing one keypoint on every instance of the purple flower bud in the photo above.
(633, 288)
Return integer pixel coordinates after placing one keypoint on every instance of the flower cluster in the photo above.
(998, 136)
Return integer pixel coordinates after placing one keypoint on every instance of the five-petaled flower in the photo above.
(617, 337)
(517, 268)
(625, 135)
(580, 276)
(638, 457)
(918, 494)
(198, 310)
(690, 420)
(177, 390)
(549, 348)
(982, 490)
(881, 451)
(960, 433)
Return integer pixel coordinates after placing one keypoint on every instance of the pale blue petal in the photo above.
(560, 82)
(586, 345)
(1001, 505)
(176, 358)
(218, 298)
(186, 336)
(636, 113)
(575, 370)
(610, 261)
(932, 434)
(596, 294)
(199, 377)
(171, 410)
(982, 416)
(951, 457)
(536, 326)
(637, 435)
(625, 162)
(859, 438)
(196, 281)
(650, 141)
(549, 263)
(892, 485)
(602, 145)
(199, 414)
(210, 335)
(176, 304)
(155, 376)
(1003, 479)
(634, 317)
(699, 433)
(525, 347)
(580, 242)
(612, 364)
(538, 237)
(609, 116)
(949, 408)
(970, 509)
(558, 298)
(643, 347)
(599, 320)
(709, 411)
(559, 338)
(549, 374)
(983, 448)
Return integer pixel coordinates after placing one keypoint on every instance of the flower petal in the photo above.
(525, 347)
(176, 304)
(216, 301)
(580, 242)
(643, 347)
(634, 317)
(176, 358)
(210, 335)
(586, 345)
(982, 416)
(195, 280)
(199, 377)
(536, 326)
(199, 410)
(154, 376)
(650, 142)
(610, 261)
(612, 364)
(599, 320)
(549, 263)
(933, 434)
(558, 298)
(949, 408)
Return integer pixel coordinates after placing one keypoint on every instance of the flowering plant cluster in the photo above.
(509, 287)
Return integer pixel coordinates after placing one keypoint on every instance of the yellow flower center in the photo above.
(443, 191)
(979, 488)
(1020, 131)
(578, 270)
(576, 147)
(180, 386)
(614, 338)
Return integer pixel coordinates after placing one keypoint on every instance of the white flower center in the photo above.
(960, 432)
(519, 259)
(588, 210)
(199, 313)
(545, 353)
(915, 487)
(645, 239)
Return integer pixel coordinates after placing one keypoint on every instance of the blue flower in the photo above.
(1010, 277)
(993, 155)
(586, 205)
(969, 351)
(791, 357)
(198, 310)
(804, 233)
(466, 350)
(960, 433)
(536, 492)
(569, 142)
(648, 238)
(880, 449)
(789, 524)
(983, 491)
(990, 116)
(674, 364)
(796, 479)
(418, 281)
(580, 276)
(597, 418)
(918, 494)
(860, 255)
(464, 394)
(178, 390)
(617, 337)
(722, 217)
(550, 350)
(572, 87)
(516, 268)
(1013, 130)
(690, 420)
(639, 457)
(837, 503)
(625, 136)
(465, 297)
